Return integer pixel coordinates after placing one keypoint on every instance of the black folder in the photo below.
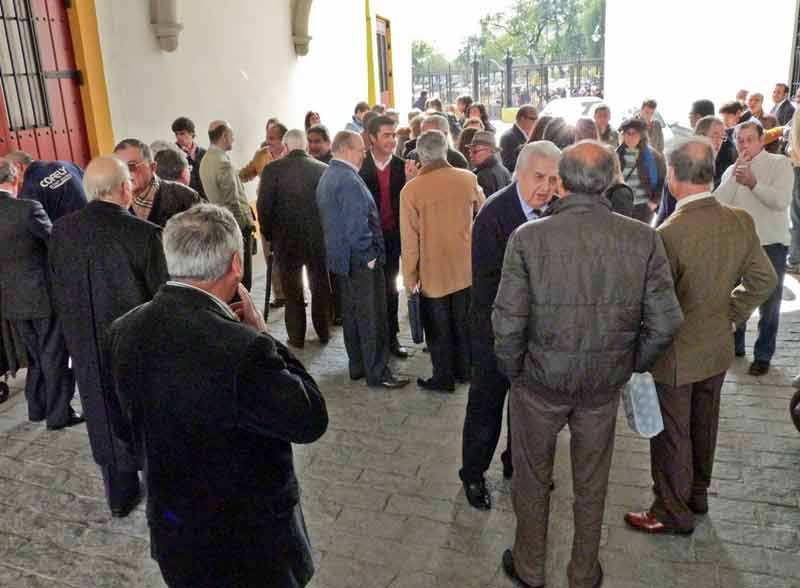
(415, 317)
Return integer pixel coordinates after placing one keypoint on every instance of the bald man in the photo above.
(223, 187)
(105, 261)
(608, 312)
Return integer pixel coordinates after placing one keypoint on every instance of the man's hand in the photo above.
(371, 264)
(652, 205)
(742, 172)
(412, 170)
(247, 312)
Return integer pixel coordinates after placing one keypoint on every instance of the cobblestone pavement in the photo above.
(385, 508)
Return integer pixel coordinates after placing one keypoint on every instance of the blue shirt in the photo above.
(530, 213)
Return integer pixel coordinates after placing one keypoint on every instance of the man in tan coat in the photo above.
(711, 248)
(436, 212)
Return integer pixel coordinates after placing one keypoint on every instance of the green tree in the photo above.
(424, 55)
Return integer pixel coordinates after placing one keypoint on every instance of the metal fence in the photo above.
(512, 84)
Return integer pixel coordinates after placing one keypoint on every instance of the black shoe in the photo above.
(5, 391)
(599, 581)
(431, 384)
(739, 353)
(278, 303)
(123, 511)
(73, 419)
(759, 368)
(398, 350)
(477, 495)
(511, 572)
(356, 377)
(508, 471)
(296, 344)
(391, 383)
(337, 321)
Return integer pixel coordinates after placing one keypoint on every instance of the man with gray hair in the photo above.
(356, 255)
(585, 298)
(223, 498)
(711, 248)
(104, 262)
(292, 228)
(27, 304)
(528, 198)
(436, 122)
(436, 212)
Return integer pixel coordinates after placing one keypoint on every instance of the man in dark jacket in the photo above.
(438, 122)
(514, 138)
(104, 262)
(354, 247)
(290, 222)
(492, 175)
(25, 286)
(184, 130)
(319, 143)
(385, 175)
(154, 199)
(56, 185)
(611, 310)
(527, 199)
(223, 501)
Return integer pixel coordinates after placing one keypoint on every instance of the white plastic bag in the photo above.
(641, 405)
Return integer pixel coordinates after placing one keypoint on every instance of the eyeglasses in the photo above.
(132, 165)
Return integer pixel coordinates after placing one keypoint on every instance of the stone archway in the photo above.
(301, 10)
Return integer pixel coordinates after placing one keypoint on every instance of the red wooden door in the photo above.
(40, 109)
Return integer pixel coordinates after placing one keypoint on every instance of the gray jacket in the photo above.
(586, 297)
(223, 187)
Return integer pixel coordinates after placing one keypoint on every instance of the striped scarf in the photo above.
(143, 202)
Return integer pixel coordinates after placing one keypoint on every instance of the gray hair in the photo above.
(692, 160)
(20, 157)
(104, 176)
(751, 123)
(295, 139)
(199, 243)
(703, 126)
(544, 149)
(345, 140)
(584, 174)
(439, 121)
(159, 145)
(432, 146)
(8, 172)
(170, 163)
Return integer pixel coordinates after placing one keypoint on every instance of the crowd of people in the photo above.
(551, 264)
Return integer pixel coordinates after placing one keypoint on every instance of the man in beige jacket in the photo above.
(436, 212)
(711, 248)
(223, 187)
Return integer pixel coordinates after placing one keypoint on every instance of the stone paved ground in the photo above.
(385, 508)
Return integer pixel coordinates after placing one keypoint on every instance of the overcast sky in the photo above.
(446, 24)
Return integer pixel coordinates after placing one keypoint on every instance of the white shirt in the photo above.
(225, 308)
(381, 165)
(768, 203)
(692, 198)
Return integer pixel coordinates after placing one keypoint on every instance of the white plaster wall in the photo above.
(683, 50)
(236, 61)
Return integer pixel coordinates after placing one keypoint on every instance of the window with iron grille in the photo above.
(20, 69)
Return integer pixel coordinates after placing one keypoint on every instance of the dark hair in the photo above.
(321, 130)
(467, 100)
(147, 155)
(784, 86)
(368, 116)
(525, 110)
(434, 103)
(704, 124)
(732, 107)
(484, 115)
(170, 163)
(703, 107)
(379, 108)
(361, 107)
(216, 133)
(649, 103)
(374, 124)
(585, 128)
(558, 132)
(183, 123)
(307, 120)
(538, 129)
(281, 127)
(687, 167)
(464, 139)
(584, 175)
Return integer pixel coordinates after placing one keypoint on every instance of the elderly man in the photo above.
(223, 499)
(26, 303)
(514, 138)
(154, 199)
(761, 183)
(173, 165)
(437, 122)
(436, 212)
(184, 130)
(492, 174)
(783, 109)
(568, 336)
(95, 281)
(385, 175)
(224, 187)
(290, 222)
(528, 198)
(356, 255)
(56, 185)
(607, 135)
(319, 143)
(689, 376)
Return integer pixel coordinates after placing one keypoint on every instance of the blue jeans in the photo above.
(770, 310)
(794, 211)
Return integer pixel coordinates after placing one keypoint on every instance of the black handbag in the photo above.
(415, 317)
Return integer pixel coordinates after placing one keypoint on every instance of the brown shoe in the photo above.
(647, 523)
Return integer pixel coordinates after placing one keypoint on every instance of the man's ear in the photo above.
(562, 191)
(236, 265)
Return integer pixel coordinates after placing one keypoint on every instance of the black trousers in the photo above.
(50, 383)
(121, 486)
(295, 315)
(446, 323)
(487, 397)
(336, 298)
(364, 313)
(391, 272)
(247, 277)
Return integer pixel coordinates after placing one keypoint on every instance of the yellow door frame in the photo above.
(370, 57)
(82, 16)
(389, 64)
